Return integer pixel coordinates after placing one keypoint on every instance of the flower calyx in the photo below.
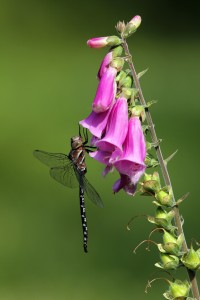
(163, 219)
(168, 262)
(164, 197)
(171, 244)
(178, 290)
(191, 259)
(150, 184)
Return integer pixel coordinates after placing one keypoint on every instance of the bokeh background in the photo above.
(47, 84)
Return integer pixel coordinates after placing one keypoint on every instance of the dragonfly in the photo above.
(70, 170)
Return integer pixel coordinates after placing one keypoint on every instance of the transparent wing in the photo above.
(91, 192)
(65, 175)
(52, 159)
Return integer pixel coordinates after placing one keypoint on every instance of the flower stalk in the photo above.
(163, 165)
(120, 137)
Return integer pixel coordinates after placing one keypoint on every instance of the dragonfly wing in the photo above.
(91, 192)
(65, 175)
(51, 159)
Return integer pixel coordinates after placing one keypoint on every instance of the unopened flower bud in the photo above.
(169, 262)
(191, 259)
(132, 26)
(126, 92)
(117, 51)
(139, 111)
(164, 197)
(122, 74)
(100, 42)
(126, 82)
(117, 63)
(179, 289)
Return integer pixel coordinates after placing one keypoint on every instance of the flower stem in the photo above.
(163, 165)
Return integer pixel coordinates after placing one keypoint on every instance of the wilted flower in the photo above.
(106, 91)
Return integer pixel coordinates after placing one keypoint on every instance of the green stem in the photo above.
(163, 166)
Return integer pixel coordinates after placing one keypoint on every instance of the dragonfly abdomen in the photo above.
(83, 218)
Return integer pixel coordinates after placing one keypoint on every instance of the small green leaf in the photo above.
(139, 75)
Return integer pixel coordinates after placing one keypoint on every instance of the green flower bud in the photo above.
(122, 74)
(139, 111)
(169, 262)
(164, 197)
(117, 63)
(126, 92)
(151, 162)
(117, 51)
(132, 26)
(191, 259)
(179, 289)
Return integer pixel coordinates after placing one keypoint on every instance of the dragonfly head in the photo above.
(76, 142)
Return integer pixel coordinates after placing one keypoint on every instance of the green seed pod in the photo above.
(163, 219)
(164, 197)
(191, 259)
(179, 289)
(168, 262)
(171, 245)
(151, 183)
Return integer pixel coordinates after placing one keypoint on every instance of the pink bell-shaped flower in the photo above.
(105, 64)
(131, 162)
(100, 42)
(106, 91)
(125, 183)
(116, 128)
(96, 123)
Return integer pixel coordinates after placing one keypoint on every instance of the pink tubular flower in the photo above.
(116, 128)
(124, 183)
(105, 64)
(131, 162)
(98, 42)
(96, 123)
(106, 91)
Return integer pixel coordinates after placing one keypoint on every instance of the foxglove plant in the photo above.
(118, 122)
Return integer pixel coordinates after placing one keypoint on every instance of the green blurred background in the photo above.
(48, 81)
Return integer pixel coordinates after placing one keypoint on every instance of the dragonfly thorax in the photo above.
(77, 153)
(76, 142)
